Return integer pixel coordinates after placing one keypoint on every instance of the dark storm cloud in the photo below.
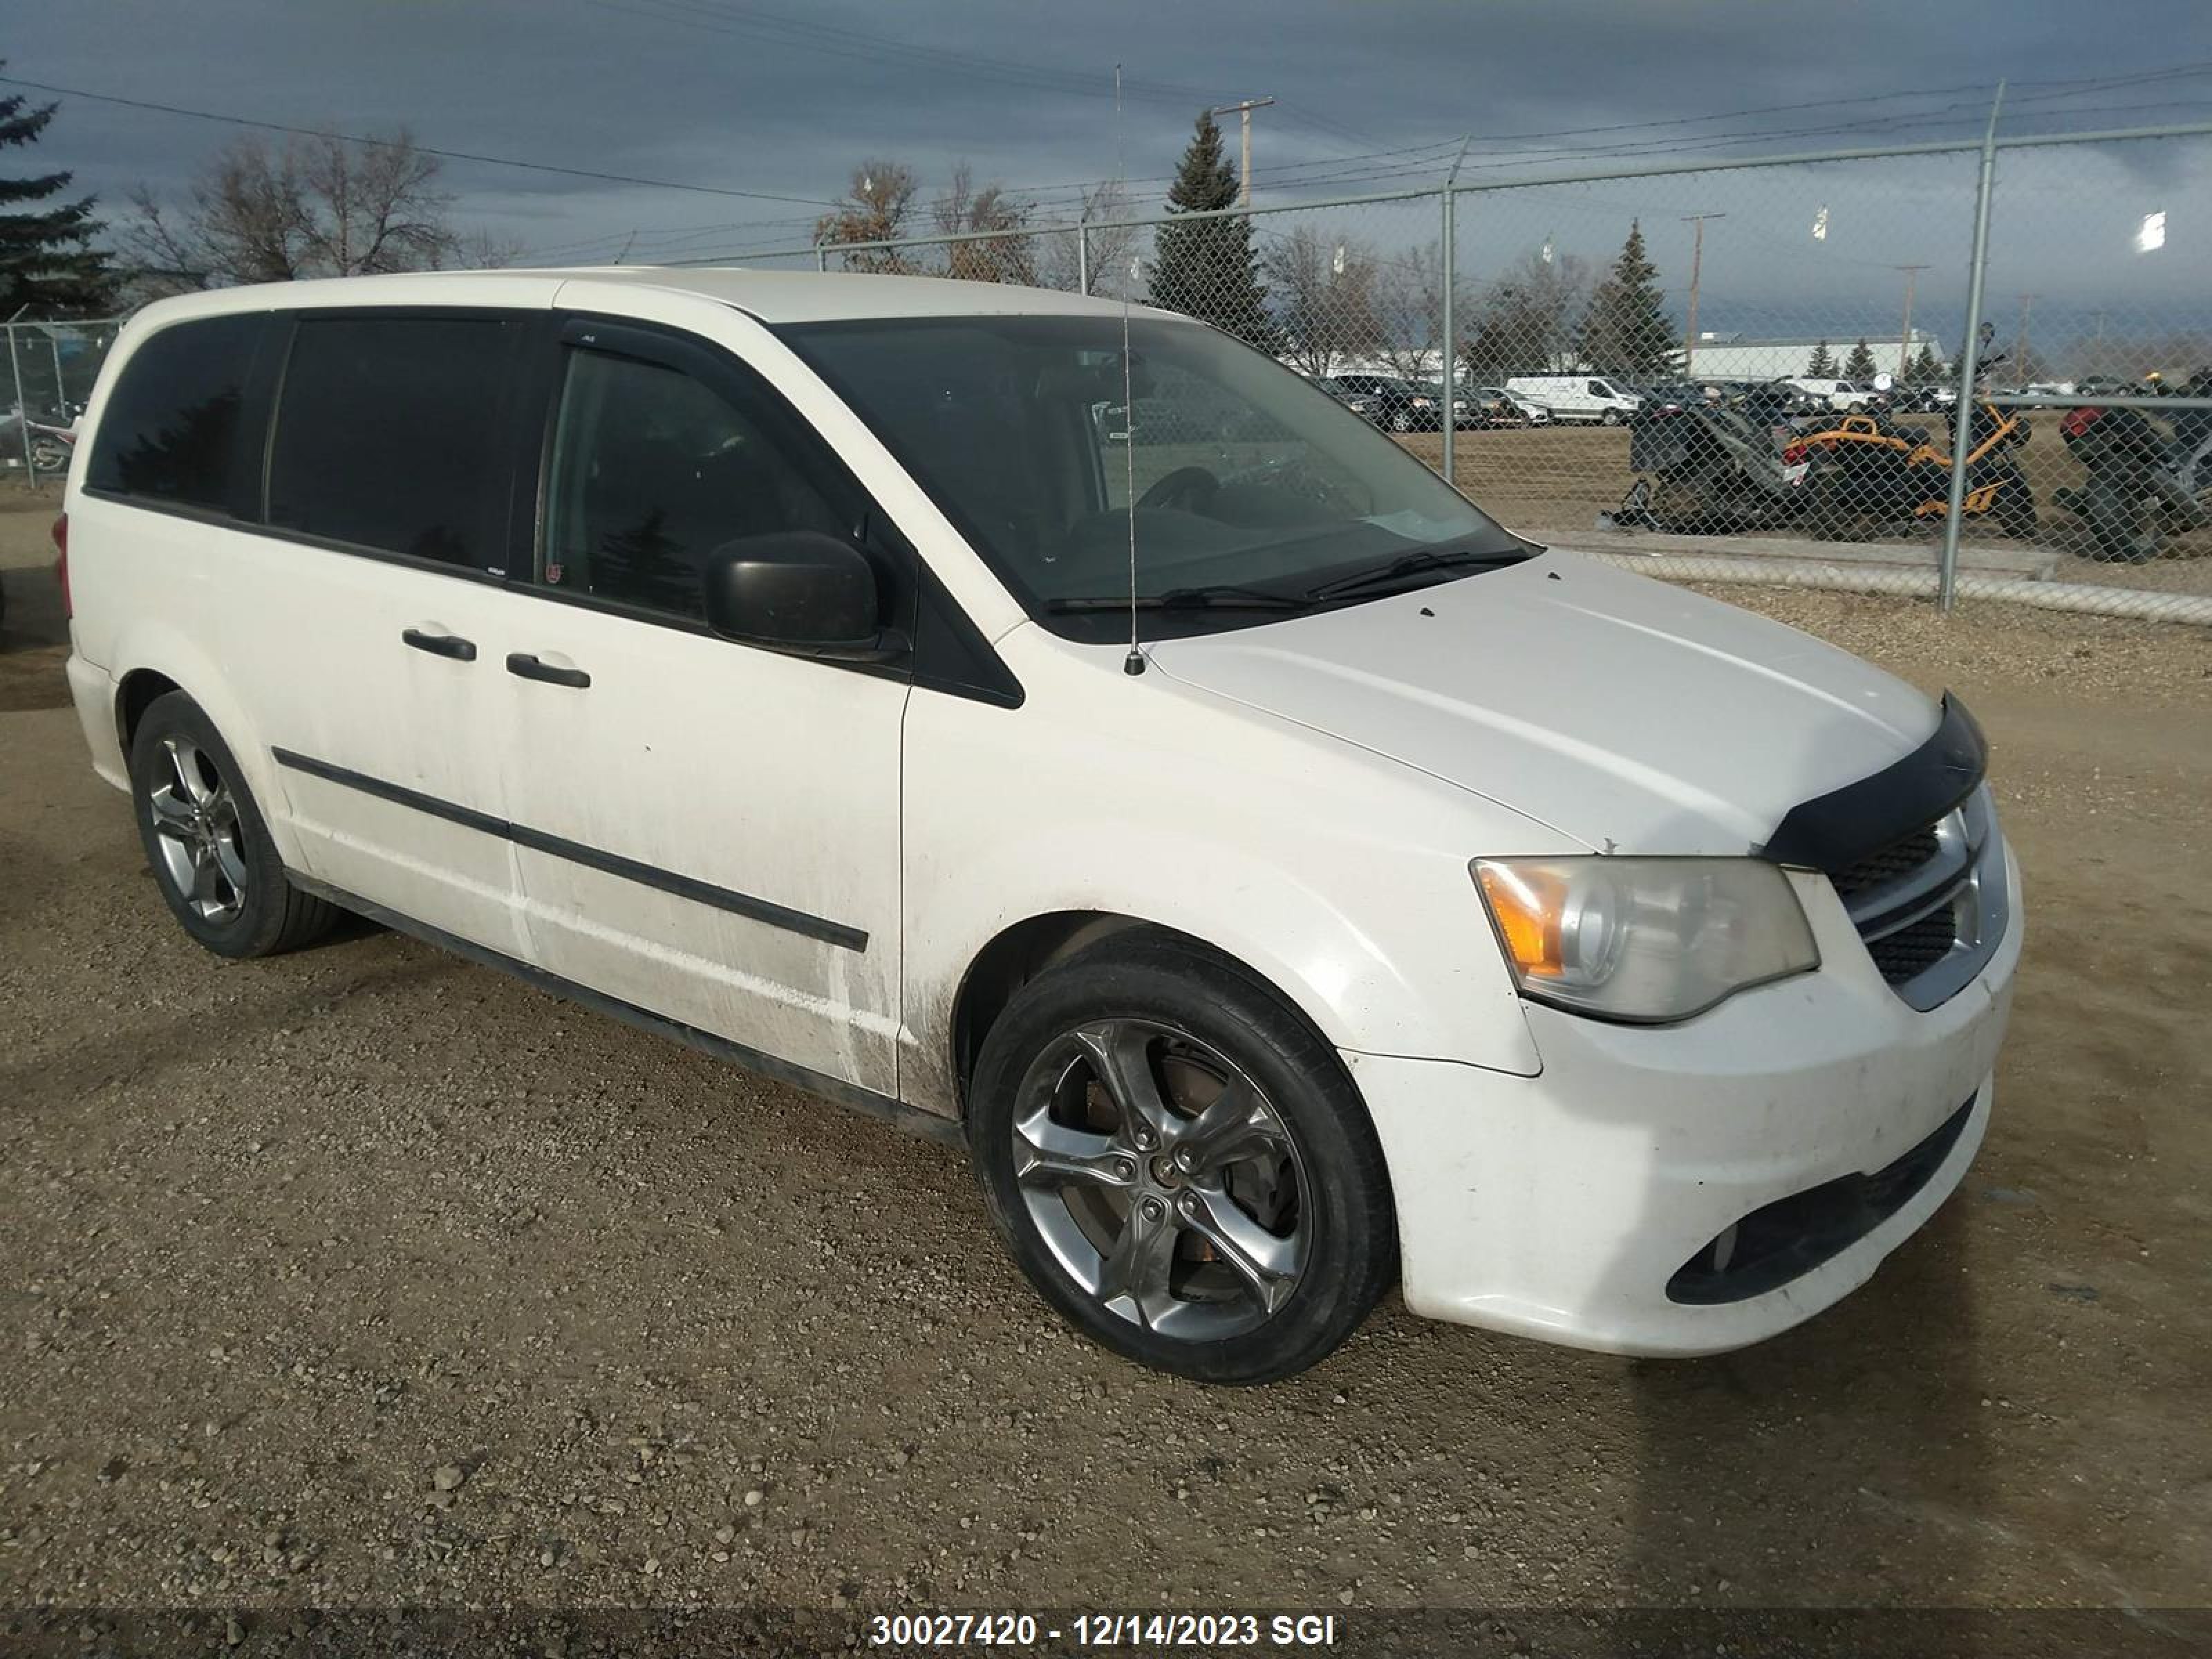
(786, 101)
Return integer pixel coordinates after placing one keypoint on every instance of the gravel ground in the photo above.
(367, 1277)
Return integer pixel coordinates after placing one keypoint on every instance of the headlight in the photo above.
(1645, 939)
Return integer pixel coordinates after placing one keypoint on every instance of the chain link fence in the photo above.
(1748, 370)
(1739, 371)
(49, 368)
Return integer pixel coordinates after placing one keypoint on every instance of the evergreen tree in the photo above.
(1859, 366)
(1625, 330)
(1821, 365)
(1926, 368)
(1206, 269)
(48, 265)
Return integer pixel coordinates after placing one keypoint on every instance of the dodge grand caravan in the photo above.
(1282, 880)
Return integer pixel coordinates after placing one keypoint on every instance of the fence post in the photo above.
(820, 256)
(1962, 412)
(22, 411)
(1451, 347)
(1450, 262)
(1083, 257)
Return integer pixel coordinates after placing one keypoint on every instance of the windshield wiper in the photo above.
(1214, 596)
(1413, 564)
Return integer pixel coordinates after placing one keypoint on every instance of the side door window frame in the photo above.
(272, 369)
(746, 390)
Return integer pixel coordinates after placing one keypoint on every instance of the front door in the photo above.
(705, 829)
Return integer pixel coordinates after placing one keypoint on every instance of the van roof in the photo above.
(773, 296)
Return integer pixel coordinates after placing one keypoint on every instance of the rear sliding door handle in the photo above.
(523, 662)
(440, 645)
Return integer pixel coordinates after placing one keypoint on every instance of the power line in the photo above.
(850, 44)
(390, 143)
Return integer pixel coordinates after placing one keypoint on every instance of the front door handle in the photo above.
(523, 662)
(440, 645)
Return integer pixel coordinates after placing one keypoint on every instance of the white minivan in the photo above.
(1586, 398)
(1282, 881)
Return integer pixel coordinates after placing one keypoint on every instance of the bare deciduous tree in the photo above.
(874, 209)
(1009, 252)
(1409, 312)
(1529, 311)
(1105, 246)
(325, 206)
(1323, 287)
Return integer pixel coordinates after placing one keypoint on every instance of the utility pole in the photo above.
(1904, 340)
(2020, 344)
(1697, 269)
(1244, 109)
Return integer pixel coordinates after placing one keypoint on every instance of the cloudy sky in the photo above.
(781, 100)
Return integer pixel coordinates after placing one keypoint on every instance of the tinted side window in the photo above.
(389, 436)
(652, 470)
(170, 432)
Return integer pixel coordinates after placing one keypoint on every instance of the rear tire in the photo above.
(1180, 1164)
(210, 849)
(2014, 506)
(2123, 529)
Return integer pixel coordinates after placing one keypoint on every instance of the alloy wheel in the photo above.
(195, 826)
(1162, 1179)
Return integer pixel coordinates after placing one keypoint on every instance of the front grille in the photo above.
(1900, 859)
(1930, 905)
(1916, 947)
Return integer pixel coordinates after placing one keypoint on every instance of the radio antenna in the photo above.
(1134, 662)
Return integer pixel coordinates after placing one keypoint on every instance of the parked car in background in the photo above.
(1671, 397)
(1586, 399)
(1394, 405)
(1514, 410)
(1775, 403)
(1851, 396)
(1933, 398)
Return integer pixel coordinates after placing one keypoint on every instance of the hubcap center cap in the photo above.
(1169, 1171)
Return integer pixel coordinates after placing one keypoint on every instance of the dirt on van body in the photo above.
(366, 1277)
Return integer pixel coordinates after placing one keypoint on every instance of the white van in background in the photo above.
(1586, 398)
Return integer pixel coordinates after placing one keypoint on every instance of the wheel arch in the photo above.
(134, 695)
(163, 661)
(1024, 950)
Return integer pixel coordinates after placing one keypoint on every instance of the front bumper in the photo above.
(1562, 1205)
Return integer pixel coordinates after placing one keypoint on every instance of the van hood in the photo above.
(1625, 713)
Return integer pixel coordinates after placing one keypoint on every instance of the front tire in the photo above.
(1180, 1164)
(1611, 418)
(209, 848)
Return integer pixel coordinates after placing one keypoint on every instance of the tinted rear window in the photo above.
(170, 431)
(388, 436)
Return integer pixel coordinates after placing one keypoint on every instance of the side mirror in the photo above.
(798, 590)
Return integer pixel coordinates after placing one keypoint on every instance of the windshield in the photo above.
(1253, 487)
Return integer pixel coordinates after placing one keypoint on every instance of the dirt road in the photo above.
(363, 1276)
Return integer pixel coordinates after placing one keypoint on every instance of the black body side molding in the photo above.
(593, 858)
